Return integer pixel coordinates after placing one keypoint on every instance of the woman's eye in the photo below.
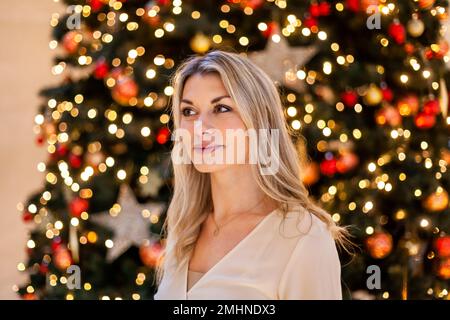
(187, 112)
(222, 108)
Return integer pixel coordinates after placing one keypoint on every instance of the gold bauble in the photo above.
(200, 43)
(310, 173)
(415, 27)
(408, 105)
(443, 270)
(373, 96)
(426, 4)
(436, 201)
(379, 245)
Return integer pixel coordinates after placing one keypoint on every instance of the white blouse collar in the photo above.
(184, 293)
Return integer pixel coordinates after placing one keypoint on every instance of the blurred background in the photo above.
(25, 63)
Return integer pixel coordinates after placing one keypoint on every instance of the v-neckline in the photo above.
(215, 266)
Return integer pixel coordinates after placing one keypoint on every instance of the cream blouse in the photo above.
(296, 260)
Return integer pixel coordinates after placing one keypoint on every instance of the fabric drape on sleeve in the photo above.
(314, 270)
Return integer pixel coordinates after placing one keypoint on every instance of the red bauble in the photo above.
(163, 135)
(314, 10)
(319, 9)
(62, 258)
(388, 116)
(78, 206)
(29, 296)
(43, 268)
(101, 69)
(310, 22)
(56, 243)
(75, 161)
(442, 246)
(125, 89)
(61, 150)
(27, 216)
(424, 121)
(379, 245)
(163, 3)
(328, 167)
(324, 8)
(431, 107)
(254, 4)
(150, 253)
(69, 43)
(352, 5)
(272, 27)
(349, 98)
(429, 54)
(369, 4)
(346, 162)
(387, 93)
(409, 48)
(437, 54)
(397, 32)
(96, 5)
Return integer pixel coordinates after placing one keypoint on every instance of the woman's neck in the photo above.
(234, 190)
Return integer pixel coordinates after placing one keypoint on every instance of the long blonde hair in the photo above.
(260, 106)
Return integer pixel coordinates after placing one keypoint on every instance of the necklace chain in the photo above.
(217, 229)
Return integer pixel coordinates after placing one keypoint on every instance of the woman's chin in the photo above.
(209, 168)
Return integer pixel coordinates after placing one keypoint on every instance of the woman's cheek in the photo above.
(186, 134)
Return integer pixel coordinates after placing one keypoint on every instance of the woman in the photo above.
(236, 229)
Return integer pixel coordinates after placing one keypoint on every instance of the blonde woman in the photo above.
(234, 229)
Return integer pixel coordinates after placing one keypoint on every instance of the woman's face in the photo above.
(208, 114)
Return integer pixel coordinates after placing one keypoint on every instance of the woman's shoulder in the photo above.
(301, 223)
(313, 268)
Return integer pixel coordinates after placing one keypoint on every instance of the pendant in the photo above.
(216, 232)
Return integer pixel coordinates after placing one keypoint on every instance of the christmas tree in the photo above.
(377, 126)
(363, 81)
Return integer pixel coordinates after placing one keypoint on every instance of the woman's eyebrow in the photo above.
(212, 101)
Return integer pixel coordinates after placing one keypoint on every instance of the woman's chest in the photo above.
(252, 269)
(212, 246)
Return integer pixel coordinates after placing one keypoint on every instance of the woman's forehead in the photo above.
(201, 87)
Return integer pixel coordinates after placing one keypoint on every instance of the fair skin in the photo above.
(205, 99)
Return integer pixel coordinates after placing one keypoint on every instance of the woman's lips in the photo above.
(207, 148)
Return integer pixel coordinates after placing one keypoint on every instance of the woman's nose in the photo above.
(203, 128)
(204, 123)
